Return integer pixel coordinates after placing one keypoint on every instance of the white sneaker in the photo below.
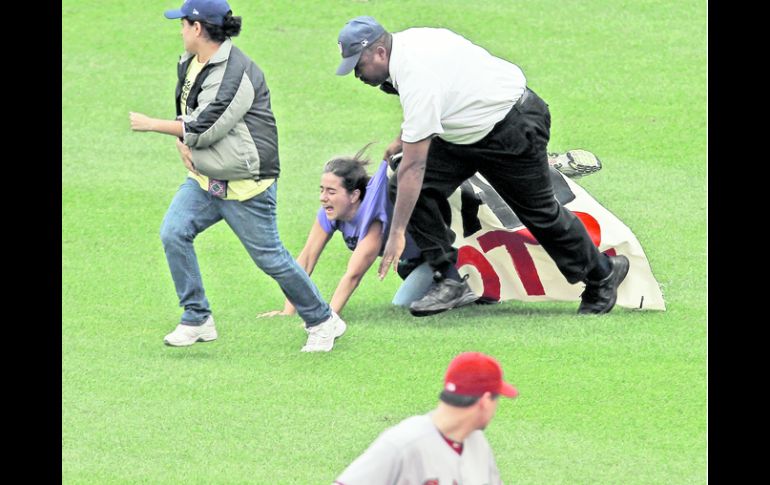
(321, 337)
(186, 335)
(575, 163)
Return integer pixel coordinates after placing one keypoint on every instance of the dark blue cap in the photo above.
(354, 36)
(211, 11)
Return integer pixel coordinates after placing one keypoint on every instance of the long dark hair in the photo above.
(351, 170)
(231, 27)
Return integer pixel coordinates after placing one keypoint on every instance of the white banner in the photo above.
(504, 261)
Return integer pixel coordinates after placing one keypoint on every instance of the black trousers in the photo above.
(514, 160)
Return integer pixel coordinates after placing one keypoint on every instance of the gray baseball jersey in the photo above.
(414, 453)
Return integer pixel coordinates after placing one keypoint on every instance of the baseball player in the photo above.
(447, 445)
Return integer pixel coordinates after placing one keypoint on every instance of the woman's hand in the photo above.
(140, 122)
(186, 154)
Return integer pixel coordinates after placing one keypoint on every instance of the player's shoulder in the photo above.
(409, 431)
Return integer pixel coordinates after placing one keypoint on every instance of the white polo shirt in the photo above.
(414, 453)
(449, 86)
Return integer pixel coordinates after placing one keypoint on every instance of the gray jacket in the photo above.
(228, 123)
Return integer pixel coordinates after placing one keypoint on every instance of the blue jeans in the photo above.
(414, 286)
(193, 210)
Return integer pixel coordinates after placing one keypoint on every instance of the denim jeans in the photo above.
(415, 286)
(193, 210)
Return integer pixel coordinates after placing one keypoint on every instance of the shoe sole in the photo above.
(339, 330)
(620, 281)
(425, 313)
(577, 159)
(202, 338)
(310, 351)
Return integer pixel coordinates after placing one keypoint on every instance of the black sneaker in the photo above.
(444, 294)
(600, 296)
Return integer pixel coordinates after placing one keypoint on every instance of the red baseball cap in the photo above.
(474, 373)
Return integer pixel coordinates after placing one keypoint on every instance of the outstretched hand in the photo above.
(392, 254)
(274, 313)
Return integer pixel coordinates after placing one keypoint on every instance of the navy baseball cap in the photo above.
(354, 36)
(211, 11)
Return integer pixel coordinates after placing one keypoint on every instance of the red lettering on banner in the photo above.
(515, 243)
(522, 261)
(592, 226)
(594, 231)
(489, 278)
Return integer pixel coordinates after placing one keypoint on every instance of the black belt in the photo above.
(514, 111)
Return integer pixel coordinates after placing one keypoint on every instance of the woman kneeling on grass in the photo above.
(357, 205)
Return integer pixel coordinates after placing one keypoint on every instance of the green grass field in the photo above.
(619, 399)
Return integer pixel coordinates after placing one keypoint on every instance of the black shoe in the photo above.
(600, 296)
(444, 294)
